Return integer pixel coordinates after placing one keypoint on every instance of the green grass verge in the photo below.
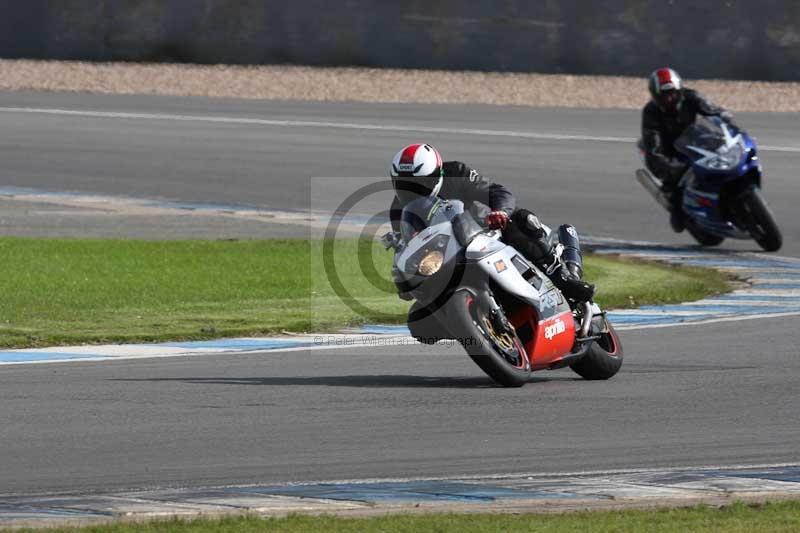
(773, 517)
(60, 291)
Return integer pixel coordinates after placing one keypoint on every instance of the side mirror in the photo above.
(392, 239)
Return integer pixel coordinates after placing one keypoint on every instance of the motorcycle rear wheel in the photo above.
(491, 351)
(604, 358)
(763, 227)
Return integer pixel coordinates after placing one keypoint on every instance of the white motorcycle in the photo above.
(508, 316)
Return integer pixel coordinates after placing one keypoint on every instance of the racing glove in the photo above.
(726, 116)
(497, 220)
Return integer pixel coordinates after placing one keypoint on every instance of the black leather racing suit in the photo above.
(466, 184)
(525, 232)
(661, 129)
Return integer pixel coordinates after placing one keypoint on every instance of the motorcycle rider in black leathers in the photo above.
(418, 170)
(671, 110)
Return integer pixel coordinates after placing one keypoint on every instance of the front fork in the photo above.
(502, 330)
(485, 300)
(738, 212)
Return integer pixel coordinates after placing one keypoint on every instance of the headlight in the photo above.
(431, 263)
(726, 160)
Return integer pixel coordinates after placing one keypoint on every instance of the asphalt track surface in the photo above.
(724, 393)
(589, 183)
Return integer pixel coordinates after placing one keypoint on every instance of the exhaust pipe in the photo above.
(653, 186)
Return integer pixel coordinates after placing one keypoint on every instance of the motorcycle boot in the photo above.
(528, 235)
(569, 269)
(674, 194)
(570, 285)
(676, 211)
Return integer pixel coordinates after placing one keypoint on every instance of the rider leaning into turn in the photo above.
(418, 169)
(671, 110)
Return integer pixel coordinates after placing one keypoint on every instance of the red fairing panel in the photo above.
(546, 341)
(554, 339)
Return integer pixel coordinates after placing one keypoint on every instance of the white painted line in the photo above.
(311, 124)
(383, 342)
(531, 475)
(592, 240)
(125, 352)
(689, 311)
(771, 292)
(752, 303)
(734, 318)
(754, 271)
(341, 125)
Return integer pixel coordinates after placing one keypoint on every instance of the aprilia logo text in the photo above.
(557, 328)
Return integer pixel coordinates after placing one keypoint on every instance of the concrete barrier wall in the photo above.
(742, 39)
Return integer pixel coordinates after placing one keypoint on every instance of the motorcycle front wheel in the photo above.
(762, 226)
(499, 354)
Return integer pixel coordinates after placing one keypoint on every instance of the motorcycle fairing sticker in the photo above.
(549, 304)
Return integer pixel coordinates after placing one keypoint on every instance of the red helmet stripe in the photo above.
(408, 154)
(664, 76)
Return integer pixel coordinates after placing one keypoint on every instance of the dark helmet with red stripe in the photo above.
(666, 89)
(417, 171)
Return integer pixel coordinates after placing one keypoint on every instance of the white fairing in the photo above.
(483, 245)
(421, 240)
(486, 250)
(499, 267)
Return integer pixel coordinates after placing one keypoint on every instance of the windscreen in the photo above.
(421, 213)
(703, 135)
(711, 144)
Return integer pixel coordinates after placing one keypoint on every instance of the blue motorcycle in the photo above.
(722, 186)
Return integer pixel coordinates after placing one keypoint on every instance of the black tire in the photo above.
(425, 326)
(464, 316)
(762, 225)
(603, 359)
(702, 236)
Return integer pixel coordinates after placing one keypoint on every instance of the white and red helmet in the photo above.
(417, 169)
(665, 88)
